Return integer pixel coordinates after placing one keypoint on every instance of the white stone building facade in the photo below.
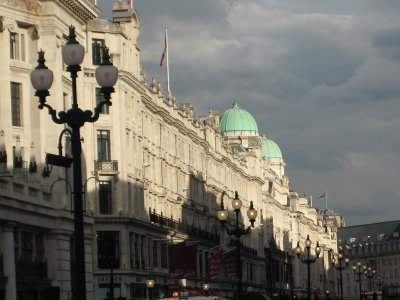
(376, 246)
(153, 171)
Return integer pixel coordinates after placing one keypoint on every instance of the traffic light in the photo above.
(294, 297)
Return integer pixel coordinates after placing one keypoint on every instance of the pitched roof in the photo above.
(367, 233)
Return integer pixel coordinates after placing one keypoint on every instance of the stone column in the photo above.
(139, 255)
(9, 260)
(58, 246)
(124, 247)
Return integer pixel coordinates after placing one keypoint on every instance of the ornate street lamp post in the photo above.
(327, 293)
(340, 266)
(237, 232)
(205, 287)
(358, 272)
(370, 273)
(42, 79)
(380, 283)
(150, 286)
(308, 260)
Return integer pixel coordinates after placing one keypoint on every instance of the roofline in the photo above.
(370, 224)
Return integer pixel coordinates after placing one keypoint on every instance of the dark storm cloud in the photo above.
(320, 77)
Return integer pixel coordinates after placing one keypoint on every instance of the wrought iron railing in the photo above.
(106, 166)
(170, 223)
(163, 221)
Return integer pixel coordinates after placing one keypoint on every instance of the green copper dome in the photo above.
(237, 119)
(269, 148)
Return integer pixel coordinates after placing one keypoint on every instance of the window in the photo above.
(200, 255)
(108, 249)
(105, 198)
(23, 57)
(39, 247)
(155, 254)
(13, 45)
(16, 244)
(100, 97)
(16, 104)
(103, 145)
(270, 184)
(97, 51)
(26, 245)
(164, 255)
(17, 158)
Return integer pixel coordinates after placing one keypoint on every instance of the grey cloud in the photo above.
(388, 42)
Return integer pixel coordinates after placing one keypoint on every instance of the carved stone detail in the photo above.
(29, 5)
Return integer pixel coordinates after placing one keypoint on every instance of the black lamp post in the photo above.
(358, 272)
(340, 266)
(75, 118)
(380, 283)
(370, 273)
(327, 293)
(205, 287)
(237, 232)
(308, 260)
(150, 285)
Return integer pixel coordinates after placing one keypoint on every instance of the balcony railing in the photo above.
(170, 223)
(109, 167)
(165, 222)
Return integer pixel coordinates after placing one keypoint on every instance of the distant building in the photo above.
(154, 173)
(375, 245)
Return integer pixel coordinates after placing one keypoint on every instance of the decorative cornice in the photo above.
(153, 107)
(84, 9)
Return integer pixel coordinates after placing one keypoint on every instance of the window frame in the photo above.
(98, 46)
(105, 198)
(108, 249)
(105, 109)
(103, 145)
(14, 45)
(16, 103)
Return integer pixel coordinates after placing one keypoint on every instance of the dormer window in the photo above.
(351, 240)
(366, 238)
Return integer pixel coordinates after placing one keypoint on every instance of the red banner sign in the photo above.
(214, 265)
(230, 264)
(182, 260)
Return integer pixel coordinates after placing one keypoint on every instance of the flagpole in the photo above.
(166, 41)
(311, 200)
(326, 200)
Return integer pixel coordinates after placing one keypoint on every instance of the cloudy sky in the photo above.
(321, 78)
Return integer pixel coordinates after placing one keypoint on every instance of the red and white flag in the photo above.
(165, 50)
(322, 196)
(129, 2)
